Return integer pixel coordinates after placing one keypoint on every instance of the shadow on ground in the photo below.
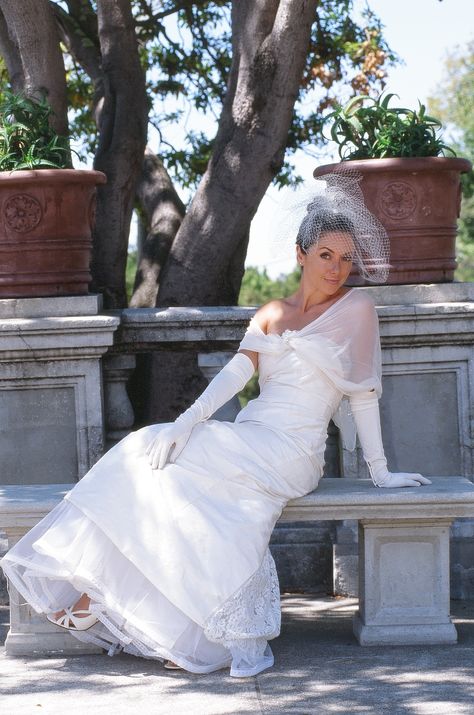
(319, 669)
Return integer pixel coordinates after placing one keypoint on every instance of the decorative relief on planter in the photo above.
(398, 200)
(22, 213)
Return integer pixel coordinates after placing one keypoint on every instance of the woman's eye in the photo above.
(325, 255)
(348, 259)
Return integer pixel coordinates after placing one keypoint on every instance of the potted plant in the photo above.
(46, 207)
(410, 181)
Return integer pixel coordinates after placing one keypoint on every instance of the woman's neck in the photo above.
(306, 299)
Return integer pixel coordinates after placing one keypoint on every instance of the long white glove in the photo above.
(365, 408)
(230, 380)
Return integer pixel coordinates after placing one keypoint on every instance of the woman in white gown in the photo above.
(161, 550)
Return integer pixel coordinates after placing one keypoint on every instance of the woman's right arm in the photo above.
(261, 317)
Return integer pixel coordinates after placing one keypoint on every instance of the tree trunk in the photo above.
(270, 43)
(33, 31)
(11, 55)
(206, 261)
(161, 208)
(163, 212)
(123, 128)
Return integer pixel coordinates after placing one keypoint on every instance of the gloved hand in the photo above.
(168, 444)
(230, 380)
(365, 409)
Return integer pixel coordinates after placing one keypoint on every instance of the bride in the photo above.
(161, 550)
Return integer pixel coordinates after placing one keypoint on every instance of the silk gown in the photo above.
(176, 560)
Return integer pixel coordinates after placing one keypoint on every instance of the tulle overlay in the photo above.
(73, 556)
(176, 560)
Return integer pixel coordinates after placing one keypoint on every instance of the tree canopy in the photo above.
(454, 104)
(186, 52)
(229, 90)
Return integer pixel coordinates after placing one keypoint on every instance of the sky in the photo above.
(421, 32)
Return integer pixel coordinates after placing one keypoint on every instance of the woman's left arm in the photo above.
(227, 383)
(365, 409)
(363, 328)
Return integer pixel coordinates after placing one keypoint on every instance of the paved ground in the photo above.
(319, 669)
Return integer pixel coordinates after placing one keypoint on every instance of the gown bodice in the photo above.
(295, 398)
(305, 374)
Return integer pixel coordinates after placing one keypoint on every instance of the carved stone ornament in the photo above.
(22, 212)
(398, 200)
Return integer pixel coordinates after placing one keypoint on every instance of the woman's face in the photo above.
(328, 263)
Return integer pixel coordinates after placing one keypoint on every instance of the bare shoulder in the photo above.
(271, 312)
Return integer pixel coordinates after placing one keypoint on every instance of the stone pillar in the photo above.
(119, 416)
(51, 399)
(31, 633)
(404, 583)
(345, 559)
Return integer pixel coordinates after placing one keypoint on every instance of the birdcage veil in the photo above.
(336, 204)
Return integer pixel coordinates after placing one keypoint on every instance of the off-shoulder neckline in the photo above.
(311, 322)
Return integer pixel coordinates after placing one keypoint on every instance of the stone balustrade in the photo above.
(64, 367)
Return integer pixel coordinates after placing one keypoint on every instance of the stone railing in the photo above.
(64, 366)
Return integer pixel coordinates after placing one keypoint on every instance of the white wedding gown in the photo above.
(176, 561)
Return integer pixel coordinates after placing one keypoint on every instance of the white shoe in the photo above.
(70, 620)
(266, 662)
(169, 665)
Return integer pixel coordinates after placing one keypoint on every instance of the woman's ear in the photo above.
(299, 255)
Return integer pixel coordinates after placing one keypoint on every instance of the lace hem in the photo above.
(245, 622)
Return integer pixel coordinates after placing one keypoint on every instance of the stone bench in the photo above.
(403, 557)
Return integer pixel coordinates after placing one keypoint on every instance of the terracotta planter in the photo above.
(46, 218)
(418, 201)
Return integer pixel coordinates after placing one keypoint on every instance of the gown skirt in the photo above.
(176, 561)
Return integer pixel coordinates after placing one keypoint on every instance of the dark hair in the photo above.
(316, 223)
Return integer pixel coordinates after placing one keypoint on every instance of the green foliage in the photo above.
(27, 140)
(186, 52)
(454, 100)
(465, 241)
(368, 128)
(454, 104)
(258, 288)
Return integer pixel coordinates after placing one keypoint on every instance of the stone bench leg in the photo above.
(404, 583)
(30, 633)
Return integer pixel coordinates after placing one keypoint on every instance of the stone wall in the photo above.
(51, 399)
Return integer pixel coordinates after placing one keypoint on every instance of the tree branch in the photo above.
(164, 212)
(122, 141)
(270, 41)
(84, 48)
